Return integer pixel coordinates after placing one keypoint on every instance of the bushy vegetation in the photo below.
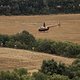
(27, 7)
(58, 77)
(50, 70)
(50, 67)
(18, 74)
(67, 49)
(24, 40)
(13, 75)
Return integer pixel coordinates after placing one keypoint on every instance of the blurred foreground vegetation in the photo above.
(50, 70)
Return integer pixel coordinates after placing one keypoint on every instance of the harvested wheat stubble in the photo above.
(16, 58)
(69, 29)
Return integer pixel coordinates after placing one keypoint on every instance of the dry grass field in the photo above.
(68, 31)
(16, 58)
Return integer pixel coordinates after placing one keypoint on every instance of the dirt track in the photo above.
(69, 30)
(15, 58)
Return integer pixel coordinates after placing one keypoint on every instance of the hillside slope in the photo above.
(16, 58)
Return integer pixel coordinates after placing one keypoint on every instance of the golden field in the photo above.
(16, 58)
(68, 31)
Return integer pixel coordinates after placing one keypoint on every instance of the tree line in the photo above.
(25, 40)
(28, 7)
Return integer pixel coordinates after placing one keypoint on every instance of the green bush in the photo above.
(61, 69)
(10, 43)
(25, 38)
(76, 78)
(58, 77)
(20, 45)
(3, 39)
(50, 67)
(8, 76)
(21, 71)
(39, 76)
(17, 74)
(22, 40)
(67, 49)
(75, 68)
(45, 46)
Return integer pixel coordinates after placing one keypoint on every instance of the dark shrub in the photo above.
(49, 67)
(66, 49)
(58, 77)
(8, 76)
(21, 71)
(61, 69)
(39, 76)
(45, 46)
(10, 43)
(25, 38)
(3, 40)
